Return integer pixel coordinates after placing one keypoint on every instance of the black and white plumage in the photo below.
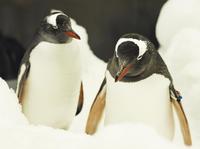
(138, 88)
(49, 82)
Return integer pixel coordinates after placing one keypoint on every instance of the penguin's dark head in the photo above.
(133, 54)
(56, 28)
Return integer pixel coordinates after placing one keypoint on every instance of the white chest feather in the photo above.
(53, 84)
(146, 101)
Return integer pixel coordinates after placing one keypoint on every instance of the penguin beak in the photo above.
(120, 75)
(72, 34)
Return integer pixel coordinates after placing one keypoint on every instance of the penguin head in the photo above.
(56, 28)
(133, 54)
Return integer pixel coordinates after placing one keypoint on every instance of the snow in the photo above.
(175, 16)
(179, 35)
(10, 110)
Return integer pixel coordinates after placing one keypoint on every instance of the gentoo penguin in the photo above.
(138, 88)
(49, 82)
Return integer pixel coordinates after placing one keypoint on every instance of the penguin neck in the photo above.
(41, 45)
(56, 38)
(39, 37)
(161, 67)
(53, 48)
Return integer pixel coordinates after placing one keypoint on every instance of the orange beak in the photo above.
(123, 72)
(73, 35)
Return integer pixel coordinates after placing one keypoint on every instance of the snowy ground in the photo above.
(178, 31)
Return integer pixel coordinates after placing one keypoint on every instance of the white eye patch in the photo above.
(141, 44)
(51, 19)
(55, 11)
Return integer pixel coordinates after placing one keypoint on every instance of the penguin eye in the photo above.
(139, 57)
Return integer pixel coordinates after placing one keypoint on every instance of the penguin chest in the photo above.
(53, 85)
(146, 101)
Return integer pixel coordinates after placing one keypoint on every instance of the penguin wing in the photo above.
(176, 101)
(81, 100)
(96, 110)
(24, 71)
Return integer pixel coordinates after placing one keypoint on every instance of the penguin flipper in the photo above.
(182, 117)
(81, 100)
(22, 80)
(96, 110)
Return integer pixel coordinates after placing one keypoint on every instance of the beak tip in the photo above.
(122, 73)
(72, 34)
(116, 79)
(79, 38)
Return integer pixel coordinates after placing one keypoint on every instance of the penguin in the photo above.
(49, 86)
(138, 88)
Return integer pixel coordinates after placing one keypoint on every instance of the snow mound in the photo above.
(175, 16)
(128, 135)
(10, 110)
(184, 50)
